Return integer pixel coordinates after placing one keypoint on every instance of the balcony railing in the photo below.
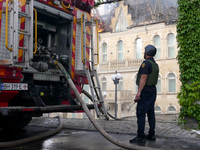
(122, 96)
(120, 64)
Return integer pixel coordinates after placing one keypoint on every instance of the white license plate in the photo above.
(14, 86)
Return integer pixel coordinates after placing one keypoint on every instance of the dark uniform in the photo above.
(147, 101)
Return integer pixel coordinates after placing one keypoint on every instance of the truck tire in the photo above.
(14, 122)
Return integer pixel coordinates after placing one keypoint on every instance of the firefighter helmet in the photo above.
(150, 50)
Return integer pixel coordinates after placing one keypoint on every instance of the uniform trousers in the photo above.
(146, 106)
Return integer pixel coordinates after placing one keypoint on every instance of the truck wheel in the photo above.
(14, 122)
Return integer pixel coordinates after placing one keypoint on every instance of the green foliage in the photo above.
(188, 37)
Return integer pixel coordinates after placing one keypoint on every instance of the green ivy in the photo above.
(188, 37)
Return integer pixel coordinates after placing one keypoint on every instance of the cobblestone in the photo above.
(126, 127)
(169, 135)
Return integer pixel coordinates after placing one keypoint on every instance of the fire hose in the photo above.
(90, 97)
(93, 121)
(33, 138)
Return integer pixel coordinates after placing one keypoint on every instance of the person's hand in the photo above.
(137, 97)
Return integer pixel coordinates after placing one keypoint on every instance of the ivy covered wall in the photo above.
(188, 37)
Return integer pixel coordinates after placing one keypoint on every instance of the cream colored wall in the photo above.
(146, 33)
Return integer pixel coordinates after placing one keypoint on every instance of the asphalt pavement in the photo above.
(170, 135)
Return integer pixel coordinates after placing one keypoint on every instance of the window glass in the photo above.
(136, 87)
(121, 24)
(171, 45)
(73, 115)
(171, 52)
(104, 84)
(120, 55)
(86, 88)
(157, 110)
(158, 86)
(120, 84)
(104, 52)
(138, 48)
(171, 109)
(172, 83)
(157, 44)
(171, 39)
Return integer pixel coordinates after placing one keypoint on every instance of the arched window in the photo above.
(171, 109)
(120, 49)
(136, 86)
(171, 83)
(158, 86)
(121, 24)
(138, 48)
(157, 44)
(104, 83)
(157, 110)
(120, 84)
(104, 52)
(171, 45)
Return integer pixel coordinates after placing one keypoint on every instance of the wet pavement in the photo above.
(79, 134)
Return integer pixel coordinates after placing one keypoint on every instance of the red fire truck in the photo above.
(33, 34)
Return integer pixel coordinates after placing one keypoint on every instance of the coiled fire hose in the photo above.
(93, 121)
(33, 138)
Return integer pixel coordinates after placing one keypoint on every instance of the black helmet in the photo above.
(150, 50)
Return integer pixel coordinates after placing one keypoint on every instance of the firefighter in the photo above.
(147, 78)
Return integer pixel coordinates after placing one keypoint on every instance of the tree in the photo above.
(188, 38)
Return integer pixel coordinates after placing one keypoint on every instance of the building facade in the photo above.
(122, 50)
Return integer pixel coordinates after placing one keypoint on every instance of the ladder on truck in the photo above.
(19, 31)
(89, 64)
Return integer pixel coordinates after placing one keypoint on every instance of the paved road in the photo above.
(79, 134)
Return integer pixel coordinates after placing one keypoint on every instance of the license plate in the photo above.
(14, 86)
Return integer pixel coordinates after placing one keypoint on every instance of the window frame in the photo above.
(171, 45)
(170, 110)
(138, 49)
(120, 51)
(103, 82)
(156, 111)
(104, 53)
(157, 47)
(171, 78)
(159, 79)
(121, 82)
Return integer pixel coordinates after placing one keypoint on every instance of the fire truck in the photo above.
(33, 34)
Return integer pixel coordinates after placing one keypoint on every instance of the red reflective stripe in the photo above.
(27, 109)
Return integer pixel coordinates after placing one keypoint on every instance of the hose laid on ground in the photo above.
(93, 121)
(33, 138)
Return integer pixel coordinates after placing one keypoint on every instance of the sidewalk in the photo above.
(124, 126)
(169, 135)
(163, 129)
(166, 126)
